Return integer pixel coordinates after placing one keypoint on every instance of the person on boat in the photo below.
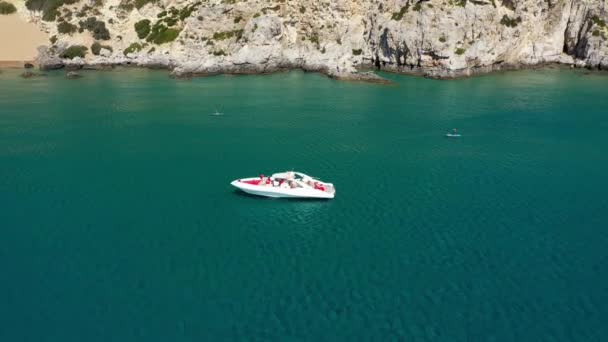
(283, 184)
(454, 131)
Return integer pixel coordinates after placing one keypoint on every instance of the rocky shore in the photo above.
(434, 38)
(364, 74)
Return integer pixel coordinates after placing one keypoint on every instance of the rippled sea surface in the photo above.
(118, 223)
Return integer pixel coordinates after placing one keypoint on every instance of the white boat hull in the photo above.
(277, 192)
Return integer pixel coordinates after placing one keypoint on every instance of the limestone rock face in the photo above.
(72, 75)
(105, 52)
(74, 64)
(436, 38)
(47, 60)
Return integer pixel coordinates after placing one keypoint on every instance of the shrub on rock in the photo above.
(74, 51)
(135, 47)
(7, 8)
(510, 22)
(96, 27)
(96, 48)
(161, 34)
(141, 3)
(48, 7)
(66, 28)
(142, 28)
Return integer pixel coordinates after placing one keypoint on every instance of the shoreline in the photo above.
(366, 73)
(380, 44)
(443, 74)
(16, 64)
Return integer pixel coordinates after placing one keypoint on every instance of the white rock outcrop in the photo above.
(436, 38)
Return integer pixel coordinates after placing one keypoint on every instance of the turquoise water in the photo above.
(119, 223)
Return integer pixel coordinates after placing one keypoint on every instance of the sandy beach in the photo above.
(18, 40)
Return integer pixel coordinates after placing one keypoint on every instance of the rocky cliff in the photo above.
(437, 38)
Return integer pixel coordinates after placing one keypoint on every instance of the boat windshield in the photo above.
(291, 175)
(292, 180)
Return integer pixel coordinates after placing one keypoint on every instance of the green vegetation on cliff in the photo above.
(96, 27)
(187, 11)
(141, 3)
(160, 34)
(399, 15)
(510, 22)
(48, 7)
(74, 51)
(597, 21)
(7, 8)
(168, 26)
(96, 48)
(135, 47)
(142, 28)
(460, 51)
(66, 28)
(228, 34)
(461, 3)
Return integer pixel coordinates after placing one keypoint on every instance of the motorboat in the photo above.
(289, 184)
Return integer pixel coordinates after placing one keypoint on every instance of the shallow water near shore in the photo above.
(119, 223)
